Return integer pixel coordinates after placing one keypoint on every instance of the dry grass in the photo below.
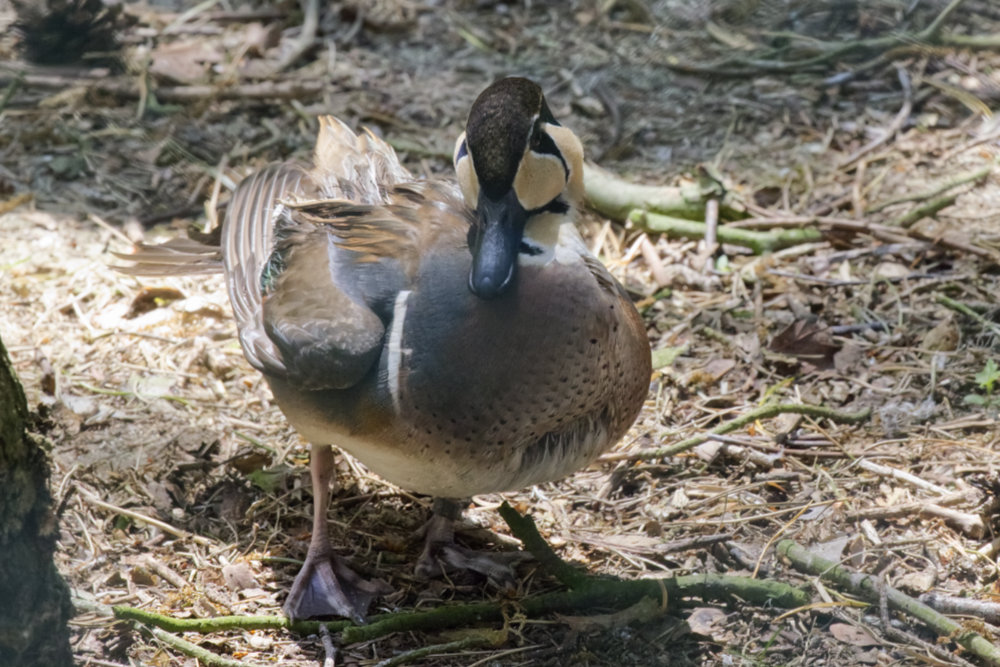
(178, 479)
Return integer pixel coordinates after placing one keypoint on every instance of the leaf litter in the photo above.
(182, 488)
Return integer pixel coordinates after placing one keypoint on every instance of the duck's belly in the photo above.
(404, 453)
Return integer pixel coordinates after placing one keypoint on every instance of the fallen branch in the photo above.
(129, 90)
(950, 604)
(417, 654)
(759, 242)
(597, 594)
(524, 529)
(591, 593)
(615, 198)
(202, 655)
(901, 475)
(880, 232)
(763, 412)
(871, 589)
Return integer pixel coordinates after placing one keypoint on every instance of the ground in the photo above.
(181, 488)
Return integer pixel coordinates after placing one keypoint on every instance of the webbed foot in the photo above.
(441, 555)
(326, 586)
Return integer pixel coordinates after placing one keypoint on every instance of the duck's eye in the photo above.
(542, 143)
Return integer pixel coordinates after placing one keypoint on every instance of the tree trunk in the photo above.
(34, 600)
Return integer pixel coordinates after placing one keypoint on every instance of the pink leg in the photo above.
(325, 586)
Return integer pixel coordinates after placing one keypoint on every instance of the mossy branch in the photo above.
(595, 594)
(608, 594)
(614, 197)
(763, 412)
(759, 242)
(869, 588)
(524, 529)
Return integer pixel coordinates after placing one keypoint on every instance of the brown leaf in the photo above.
(807, 341)
(707, 621)
(239, 576)
(853, 635)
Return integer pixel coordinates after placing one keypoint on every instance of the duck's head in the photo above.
(514, 161)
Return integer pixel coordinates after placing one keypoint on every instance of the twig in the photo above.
(881, 232)
(279, 89)
(138, 516)
(330, 659)
(222, 623)
(417, 654)
(204, 656)
(970, 524)
(925, 210)
(867, 587)
(758, 242)
(829, 52)
(901, 475)
(306, 38)
(968, 312)
(932, 30)
(937, 190)
(895, 126)
(763, 412)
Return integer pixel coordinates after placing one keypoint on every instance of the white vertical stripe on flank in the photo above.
(395, 349)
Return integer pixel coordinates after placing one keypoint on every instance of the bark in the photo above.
(34, 600)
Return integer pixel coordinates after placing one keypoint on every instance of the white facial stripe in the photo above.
(395, 353)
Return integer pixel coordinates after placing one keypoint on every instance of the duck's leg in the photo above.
(441, 554)
(325, 586)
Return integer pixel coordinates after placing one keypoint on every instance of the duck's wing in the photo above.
(315, 260)
(247, 243)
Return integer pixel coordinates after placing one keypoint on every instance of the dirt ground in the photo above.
(183, 491)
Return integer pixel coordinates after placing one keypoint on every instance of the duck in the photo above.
(456, 336)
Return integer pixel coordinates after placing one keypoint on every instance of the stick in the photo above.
(895, 126)
(925, 210)
(763, 412)
(959, 307)
(937, 190)
(759, 242)
(950, 604)
(306, 38)
(869, 588)
(901, 475)
(615, 198)
(279, 89)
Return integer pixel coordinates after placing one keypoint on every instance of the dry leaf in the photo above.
(707, 621)
(853, 635)
(807, 341)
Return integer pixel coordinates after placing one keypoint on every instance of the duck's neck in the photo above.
(549, 236)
